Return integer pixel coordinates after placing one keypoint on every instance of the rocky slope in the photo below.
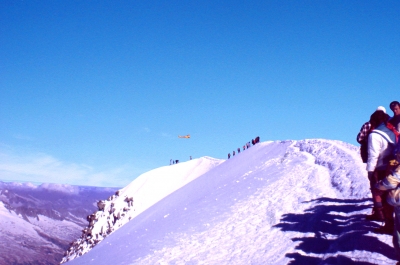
(39, 222)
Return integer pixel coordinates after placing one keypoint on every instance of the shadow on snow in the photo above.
(347, 232)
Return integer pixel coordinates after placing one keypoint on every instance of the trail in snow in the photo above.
(291, 202)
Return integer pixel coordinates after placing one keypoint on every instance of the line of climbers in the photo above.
(380, 149)
(245, 146)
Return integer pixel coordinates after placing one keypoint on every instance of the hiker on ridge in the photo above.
(362, 137)
(380, 148)
(391, 186)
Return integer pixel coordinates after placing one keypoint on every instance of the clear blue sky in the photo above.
(96, 92)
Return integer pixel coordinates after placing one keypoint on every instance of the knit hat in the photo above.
(381, 109)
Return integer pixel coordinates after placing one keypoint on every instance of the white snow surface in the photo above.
(145, 191)
(286, 202)
(156, 184)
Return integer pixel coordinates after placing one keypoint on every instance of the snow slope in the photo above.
(132, 200)
(290, 202)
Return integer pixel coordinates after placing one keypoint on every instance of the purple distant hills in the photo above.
(38, 222)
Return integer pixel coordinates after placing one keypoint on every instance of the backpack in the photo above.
(364, 143)
(364, 150)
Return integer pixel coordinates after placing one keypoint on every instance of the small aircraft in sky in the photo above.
(185, 136)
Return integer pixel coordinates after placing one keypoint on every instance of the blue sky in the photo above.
(96, 92)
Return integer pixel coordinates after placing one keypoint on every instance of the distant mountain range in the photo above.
(38, 222)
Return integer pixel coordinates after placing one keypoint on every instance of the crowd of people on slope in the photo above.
(245, 146)
(380, 150)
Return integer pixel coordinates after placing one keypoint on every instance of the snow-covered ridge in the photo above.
(283, 202)
(227, 215)
(343, 162)
(139, 195)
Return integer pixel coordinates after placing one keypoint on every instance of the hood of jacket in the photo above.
(386, 133)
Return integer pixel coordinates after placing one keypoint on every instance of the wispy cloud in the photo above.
(42, 168)
(23, 137)
(166, 135)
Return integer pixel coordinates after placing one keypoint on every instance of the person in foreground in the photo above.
(391, 185)
(380, 148)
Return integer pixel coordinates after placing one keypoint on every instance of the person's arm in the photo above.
(374, 149)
